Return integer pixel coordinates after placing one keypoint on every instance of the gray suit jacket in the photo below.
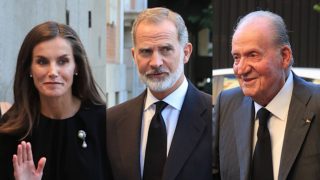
(189, 157)
(233, 128)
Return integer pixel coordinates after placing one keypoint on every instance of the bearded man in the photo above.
(164, 133)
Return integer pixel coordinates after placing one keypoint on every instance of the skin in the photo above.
(53, 68)
(24, 168)
(157, 47)
(260, 65)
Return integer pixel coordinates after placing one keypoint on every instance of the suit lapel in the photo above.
(188, 132)
(243, 132)
(128, 134)
(299, 121)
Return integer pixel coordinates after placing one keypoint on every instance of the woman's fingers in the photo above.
(15, 161)
(24, 151)
(23, 164)
(29, 152)
(41, 164)
(19, 154)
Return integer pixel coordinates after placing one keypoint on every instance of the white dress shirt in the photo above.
(279, 108)
(170, 116)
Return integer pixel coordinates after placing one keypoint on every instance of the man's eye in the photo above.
(236, 58)
(145, 52)
(253, 55)
(165, 50)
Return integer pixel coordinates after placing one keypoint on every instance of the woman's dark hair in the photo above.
(26, 107)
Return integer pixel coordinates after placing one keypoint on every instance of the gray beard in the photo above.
(166, 83)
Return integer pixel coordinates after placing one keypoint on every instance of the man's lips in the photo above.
(156, 74)
(246, 79)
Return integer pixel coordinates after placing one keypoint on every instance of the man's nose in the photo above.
(156, 59)
(242, 67)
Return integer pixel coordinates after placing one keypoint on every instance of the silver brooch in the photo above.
(82, 135)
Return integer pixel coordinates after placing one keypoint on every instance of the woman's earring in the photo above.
(76, 74)
(30, 75)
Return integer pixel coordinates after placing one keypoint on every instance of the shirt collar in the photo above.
(279, 105)
(175, 99)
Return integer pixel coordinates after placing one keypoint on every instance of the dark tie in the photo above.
(262, 157)
(156, 150)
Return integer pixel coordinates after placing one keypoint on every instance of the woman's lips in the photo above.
(52, 83)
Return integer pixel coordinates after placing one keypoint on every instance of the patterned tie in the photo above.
(262, 168)
(156, 150)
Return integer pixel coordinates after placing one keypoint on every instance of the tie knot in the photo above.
(263, 115)
(160, 105)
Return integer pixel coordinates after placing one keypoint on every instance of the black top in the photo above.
(58, 141)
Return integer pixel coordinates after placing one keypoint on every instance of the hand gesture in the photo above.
(24, 168)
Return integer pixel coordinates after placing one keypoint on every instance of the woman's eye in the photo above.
(42, 61)
(63, 61)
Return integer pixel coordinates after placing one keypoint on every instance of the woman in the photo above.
(57, 108)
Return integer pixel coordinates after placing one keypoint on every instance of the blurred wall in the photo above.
(19, 16)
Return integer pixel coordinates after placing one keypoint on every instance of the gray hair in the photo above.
(279, 27)
(157, 15)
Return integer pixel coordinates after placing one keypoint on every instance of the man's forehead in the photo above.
(253, 24)
(156, 34)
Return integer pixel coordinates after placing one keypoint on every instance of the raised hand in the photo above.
(24, 167)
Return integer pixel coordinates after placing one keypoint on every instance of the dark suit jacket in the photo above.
(190, 152)
(233, 127)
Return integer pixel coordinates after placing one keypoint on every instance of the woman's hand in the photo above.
(24, 167)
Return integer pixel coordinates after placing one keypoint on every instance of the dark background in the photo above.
(199, 67)
(303, 24)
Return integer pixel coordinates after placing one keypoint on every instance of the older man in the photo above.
(269, 128)
(164, 133)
